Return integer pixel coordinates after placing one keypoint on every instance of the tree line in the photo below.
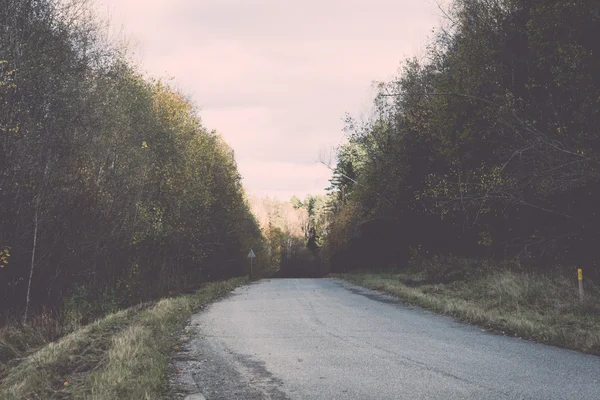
(111, 189)
(488, 146)
(294, 231)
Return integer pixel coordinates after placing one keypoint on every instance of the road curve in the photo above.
(327, 339)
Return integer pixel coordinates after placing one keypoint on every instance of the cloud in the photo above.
(288, 178)
(276, 77)
(265, 134)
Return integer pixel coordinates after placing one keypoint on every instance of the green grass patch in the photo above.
(18, 340)
(540, 307)
(122, 356)
(138, 357)
(43, 374)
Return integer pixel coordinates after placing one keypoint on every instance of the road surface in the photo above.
(327, 339)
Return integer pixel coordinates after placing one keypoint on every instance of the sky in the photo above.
(276, 77)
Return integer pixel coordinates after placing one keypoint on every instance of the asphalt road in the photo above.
(327, 339)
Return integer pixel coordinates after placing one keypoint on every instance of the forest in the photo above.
(112, 192)
(294, 231)
(486, 147)
(472, 189)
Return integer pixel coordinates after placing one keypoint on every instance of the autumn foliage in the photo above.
(111, 189)
(489, 146)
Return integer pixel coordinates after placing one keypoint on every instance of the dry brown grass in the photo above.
(543, 308)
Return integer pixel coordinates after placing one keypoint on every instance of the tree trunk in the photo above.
(35, 230)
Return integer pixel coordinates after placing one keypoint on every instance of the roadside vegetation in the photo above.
(112, 191)
(507, 299)
(487, 147)
(121, 356)
(113, 194)
(474, 184)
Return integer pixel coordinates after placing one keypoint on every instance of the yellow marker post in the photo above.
(580, 279)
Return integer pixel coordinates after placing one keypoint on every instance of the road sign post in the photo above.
(251, 256)
(580, 280)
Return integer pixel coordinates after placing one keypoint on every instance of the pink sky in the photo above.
(275, 77)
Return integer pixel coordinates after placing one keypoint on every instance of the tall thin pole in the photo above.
(580, 280)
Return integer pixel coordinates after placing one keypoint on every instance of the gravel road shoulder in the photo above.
(203, 369)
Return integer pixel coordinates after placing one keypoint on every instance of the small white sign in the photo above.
(251, 254)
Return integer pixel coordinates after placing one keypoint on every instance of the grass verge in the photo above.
(122, 356)
(17, 340)
(541, 308)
